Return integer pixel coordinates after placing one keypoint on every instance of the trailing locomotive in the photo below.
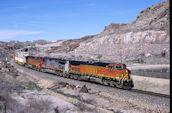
(111, 74)
(19, 56)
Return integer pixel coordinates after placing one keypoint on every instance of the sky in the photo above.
(52, 20)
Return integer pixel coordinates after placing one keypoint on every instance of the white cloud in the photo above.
(8, 34)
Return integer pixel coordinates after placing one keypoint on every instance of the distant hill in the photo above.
(7, 48)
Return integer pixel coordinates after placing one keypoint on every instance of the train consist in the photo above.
(111, 74)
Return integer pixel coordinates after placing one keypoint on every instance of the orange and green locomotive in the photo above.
(112, 74)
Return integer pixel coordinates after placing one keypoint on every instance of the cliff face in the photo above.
(144, 40)
(151, 26)
(153, 18)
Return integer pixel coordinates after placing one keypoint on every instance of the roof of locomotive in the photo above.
(88, 63)
(45, 58)
(74, 62)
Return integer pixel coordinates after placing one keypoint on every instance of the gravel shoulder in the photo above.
(157, 85)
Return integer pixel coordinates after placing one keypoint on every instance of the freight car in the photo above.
(112, 74)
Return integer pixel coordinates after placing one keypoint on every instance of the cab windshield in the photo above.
(120, 67)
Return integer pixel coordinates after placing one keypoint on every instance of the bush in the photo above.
(38, 105)
(10, 86)
(31, 86)
(9, 105)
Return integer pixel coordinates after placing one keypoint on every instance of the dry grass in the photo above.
(11, 87)
(9, 105)
(33, 105)
(38, 105)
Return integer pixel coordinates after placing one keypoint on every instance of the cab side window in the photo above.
(111, 67)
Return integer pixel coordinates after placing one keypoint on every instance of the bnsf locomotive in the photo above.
(111, 74)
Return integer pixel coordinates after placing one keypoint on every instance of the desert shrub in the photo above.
(11, 86)
(38, 105)
(32, 86)
(14, 74)
(9, 105)
(56, 110)
(89, 101)
(82, 107)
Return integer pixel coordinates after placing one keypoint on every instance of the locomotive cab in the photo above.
(118, 67)
(122, 74)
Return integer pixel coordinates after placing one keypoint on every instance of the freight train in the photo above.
(110, 74)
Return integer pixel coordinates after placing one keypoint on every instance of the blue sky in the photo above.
(54, 20)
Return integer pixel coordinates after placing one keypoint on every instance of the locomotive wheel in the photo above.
(105, 82)
(37, 69)
(75, 77)
(127, 85)
(41, 70)
(112, 84)
(119, 86)
(65, 75)
(61, 74)
(79, 77)
(71, 76)
(33, 67)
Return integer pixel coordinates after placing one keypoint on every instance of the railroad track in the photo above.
(134, 93)
(139, 91)
(150, 93)
(147, 73)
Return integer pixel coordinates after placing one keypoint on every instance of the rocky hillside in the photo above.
(145, 40)
(153, 18)
(7, 48)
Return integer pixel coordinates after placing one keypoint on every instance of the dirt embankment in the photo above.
(95, 100)
(20, 94)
